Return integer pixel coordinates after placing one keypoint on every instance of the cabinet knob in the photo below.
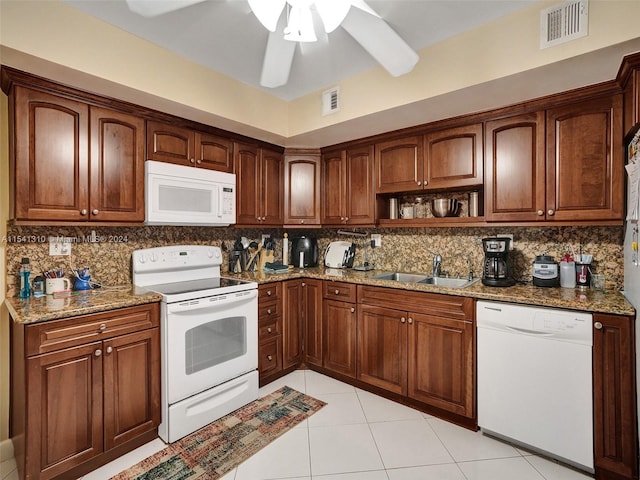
(269, 311)
(342, 219)
(419, 183)
(550, 212)
(109, 349)
(95, 211)
(268, 293)
(540, 212)
(337, 292)
(346, 219)
(598, 326)
(83, 211)
(198, 162)
(193, 160)
(301, 222)
(97, 353)
(410, 321)
(402, 319)
(353, 309)
(102, 327)
(269, 357)
(269, 330)
(304, 284)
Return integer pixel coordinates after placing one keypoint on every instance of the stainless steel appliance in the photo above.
(182, 195)
(339, 254)
(495, 272)
(304, 252)
(535, 379)
(209, 335)
(545, 272)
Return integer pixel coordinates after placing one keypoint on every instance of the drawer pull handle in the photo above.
(268, 293)
(269, 357)
(109, 349)
(337, 292)
(103, 327)
(97, 353)
(598, 325)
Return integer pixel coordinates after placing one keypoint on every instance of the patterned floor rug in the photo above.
(212, 451)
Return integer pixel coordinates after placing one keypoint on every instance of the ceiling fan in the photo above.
(354, 16)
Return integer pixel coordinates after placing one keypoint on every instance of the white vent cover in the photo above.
(331, 101)
(563, 23)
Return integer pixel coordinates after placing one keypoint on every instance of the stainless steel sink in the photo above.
(449, 282)
(427, 279)
(401, 277)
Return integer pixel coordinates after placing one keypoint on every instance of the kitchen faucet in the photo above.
(437, 262)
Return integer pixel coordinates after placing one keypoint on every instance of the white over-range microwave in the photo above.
(182, 195)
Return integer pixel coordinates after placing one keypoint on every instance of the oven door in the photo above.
(209, 341)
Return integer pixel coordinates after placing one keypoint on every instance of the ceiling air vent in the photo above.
(331, 101)
(563, 23)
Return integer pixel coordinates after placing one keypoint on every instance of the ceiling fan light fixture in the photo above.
(300, 25)
(267, 12)
(332, 12)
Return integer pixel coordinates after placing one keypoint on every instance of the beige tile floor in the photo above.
(361, 436)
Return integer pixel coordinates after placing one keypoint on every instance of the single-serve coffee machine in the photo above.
(495, 272)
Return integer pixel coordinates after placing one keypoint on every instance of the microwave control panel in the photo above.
(228, 200)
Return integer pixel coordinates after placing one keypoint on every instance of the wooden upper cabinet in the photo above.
(75, 162)
(348, 188)
(399, 165)
(629, 79)
(453, 157)
(51, 157)
(184, 146)
(260, 190)
(301, 189)
(117, 166)
(585, 162)
(515, 168)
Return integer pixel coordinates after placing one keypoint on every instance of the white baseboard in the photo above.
(6, 450)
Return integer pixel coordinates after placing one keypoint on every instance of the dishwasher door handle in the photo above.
(535, 333)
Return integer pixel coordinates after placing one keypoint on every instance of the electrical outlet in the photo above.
(377, 239)
(264, 236)
(60, 246)
(509, 235)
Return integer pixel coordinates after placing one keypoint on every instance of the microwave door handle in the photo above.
(219, 201)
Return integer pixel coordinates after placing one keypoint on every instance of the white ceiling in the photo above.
(225, 36)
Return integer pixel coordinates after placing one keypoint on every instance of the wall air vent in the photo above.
(331, 101)
(563, 23)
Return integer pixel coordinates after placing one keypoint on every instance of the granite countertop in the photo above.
(601, 301)
(53, 307)
(81, 303)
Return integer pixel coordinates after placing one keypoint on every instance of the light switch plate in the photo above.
(60, 246)
(377, 239)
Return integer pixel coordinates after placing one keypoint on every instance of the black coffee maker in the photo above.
(495, 272)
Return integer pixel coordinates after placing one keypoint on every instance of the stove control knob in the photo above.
(210, 253)
(142, 259)
(154, 257)
(216, 252)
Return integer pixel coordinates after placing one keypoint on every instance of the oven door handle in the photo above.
(215, 302)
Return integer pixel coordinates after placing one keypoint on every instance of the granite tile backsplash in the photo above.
(403, 249)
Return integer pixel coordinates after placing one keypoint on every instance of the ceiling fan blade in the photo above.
(152, 8)
(268, 12)
(278, 58)
(332, 12)
(379, 39)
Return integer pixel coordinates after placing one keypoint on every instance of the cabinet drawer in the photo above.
(270, 357)
(449, 306)
(345, 292)
(269, 290)
(267, 310)
(55, 335)
(268, 329)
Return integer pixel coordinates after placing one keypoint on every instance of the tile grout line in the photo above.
(372, 435)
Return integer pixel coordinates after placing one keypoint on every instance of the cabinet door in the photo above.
(248, 174)
(333, 188)
(382, 348)
(272, 196)
(454, 157)
(64, 410)
(131, 386)
(359, 192)
(51, 157)
(399, 165)
(170, 143)
(302, 190)
(614, 405)
(340, 333)
(292, 325)
(117, 166)
(441, 370)
(515, 169)
(313, 335)
(585, 163)
(213, 152)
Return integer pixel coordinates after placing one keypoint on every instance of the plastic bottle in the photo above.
(25, 272)
(567, 272)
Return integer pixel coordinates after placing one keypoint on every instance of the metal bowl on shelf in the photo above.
(445, 207)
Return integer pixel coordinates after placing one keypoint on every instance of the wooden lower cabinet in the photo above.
(614, 398)
(339, 324)
(313, 316)
(84, 387)
(425, 352)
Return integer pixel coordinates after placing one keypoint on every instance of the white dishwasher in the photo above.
(535, 379)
